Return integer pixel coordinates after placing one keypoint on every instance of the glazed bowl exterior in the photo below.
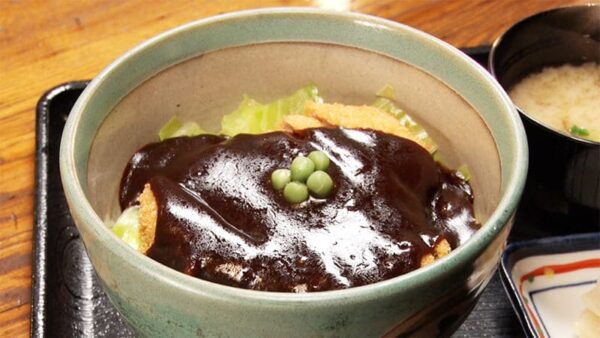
(563, 184)
(198, 70)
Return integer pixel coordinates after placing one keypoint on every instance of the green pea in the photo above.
(320, 159)
(280, 177)
(295, 192)
(320, 184)
(301, 168)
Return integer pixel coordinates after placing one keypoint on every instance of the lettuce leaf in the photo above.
(252, 117)
(127, 227)
(175, 128)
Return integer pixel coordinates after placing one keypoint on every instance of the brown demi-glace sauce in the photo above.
(220, 219)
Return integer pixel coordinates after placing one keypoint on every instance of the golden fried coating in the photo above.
(148, 216)
(441, 249)
(299, 122)
(356, 117)
(149, 212)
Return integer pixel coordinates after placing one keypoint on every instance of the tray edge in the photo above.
(38, 274)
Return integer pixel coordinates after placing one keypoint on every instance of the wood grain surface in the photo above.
(44, 43)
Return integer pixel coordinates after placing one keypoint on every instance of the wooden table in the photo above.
(44, 43)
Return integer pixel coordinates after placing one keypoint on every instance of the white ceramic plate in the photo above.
(547, 279)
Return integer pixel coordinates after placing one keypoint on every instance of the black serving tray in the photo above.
(67, 300)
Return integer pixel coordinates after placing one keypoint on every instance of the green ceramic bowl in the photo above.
(200, 71)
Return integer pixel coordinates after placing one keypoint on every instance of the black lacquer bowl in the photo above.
(563, 182)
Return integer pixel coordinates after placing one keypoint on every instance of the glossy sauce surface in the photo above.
(220, 219)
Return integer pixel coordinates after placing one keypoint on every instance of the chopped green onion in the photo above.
(320, 160)
(301, 168)
(295, 192)
(280, 177)
(320, 184)
(578, 131)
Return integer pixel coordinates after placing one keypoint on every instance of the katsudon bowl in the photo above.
(199, 72)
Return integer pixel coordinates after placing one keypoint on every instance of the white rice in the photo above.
(562, 97)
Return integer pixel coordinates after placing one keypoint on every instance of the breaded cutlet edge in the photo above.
(149, 214)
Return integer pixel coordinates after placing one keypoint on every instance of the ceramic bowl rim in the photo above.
(80, 206)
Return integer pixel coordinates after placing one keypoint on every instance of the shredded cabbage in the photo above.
(464, 172)
(127, 227)
(175, 128)
(252, 117)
